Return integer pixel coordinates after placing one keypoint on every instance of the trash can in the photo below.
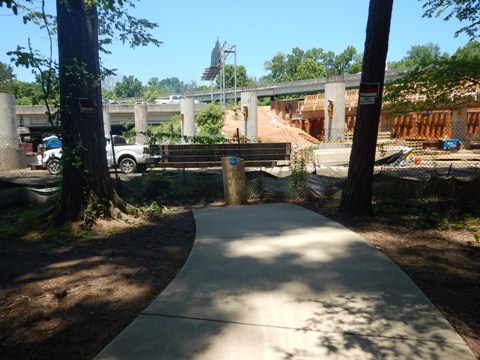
(233, 169)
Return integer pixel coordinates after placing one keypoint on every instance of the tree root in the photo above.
(126, 207)
(123, 211)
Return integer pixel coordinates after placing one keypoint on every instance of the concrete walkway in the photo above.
(278, 281)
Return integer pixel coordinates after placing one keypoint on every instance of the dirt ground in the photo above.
(67, 298)
(270, 127)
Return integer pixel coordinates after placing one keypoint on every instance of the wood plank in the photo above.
(208, 164)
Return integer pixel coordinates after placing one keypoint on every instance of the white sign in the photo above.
(367, 100)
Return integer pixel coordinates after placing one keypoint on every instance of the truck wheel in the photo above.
(127, 165)
(54, 167)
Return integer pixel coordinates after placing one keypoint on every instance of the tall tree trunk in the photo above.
(86, 184)
(357, 196)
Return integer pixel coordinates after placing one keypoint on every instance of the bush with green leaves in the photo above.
(166, 133)
(159, 187)
(297, 183)
(210, 120)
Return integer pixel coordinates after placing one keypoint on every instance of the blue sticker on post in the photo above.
(233, 161)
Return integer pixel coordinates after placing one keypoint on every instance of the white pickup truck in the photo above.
(128, 157)
(172, 99)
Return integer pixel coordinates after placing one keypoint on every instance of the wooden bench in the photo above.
(203, 156)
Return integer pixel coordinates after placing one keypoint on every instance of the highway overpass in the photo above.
(311, 86)
(34, 117)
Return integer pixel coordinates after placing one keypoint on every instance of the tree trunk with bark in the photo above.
(87, 189)
(357, 195)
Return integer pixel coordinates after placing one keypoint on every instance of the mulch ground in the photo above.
(67, 298)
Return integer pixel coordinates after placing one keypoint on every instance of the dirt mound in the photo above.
(271, 128)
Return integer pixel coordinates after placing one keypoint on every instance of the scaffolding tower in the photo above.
(219, 57)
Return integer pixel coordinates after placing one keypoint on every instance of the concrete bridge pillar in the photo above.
(107, 124)
(140, 111)
(187, 117)
(11, 156)
(334, 111)
(248, 100)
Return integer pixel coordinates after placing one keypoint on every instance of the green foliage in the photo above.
(265, 101)
(277, 67)
(45, 90)
(445, 82)
(166, 133)
(310, 64)
(297, 183)
(11, 4)
(172, 85)
(115, 22)
(444, 220)
(97, 210)
(129, 87)
(152, 208)
(431, 219)
(210, 120)
(154, 82)
(8, 230)
(150, 94)
(19, 222)
(466, 11)
(310, 69)
(170, 133)
(419, 55)
(342, 63)
(440, 203)
(129, 132)
(159, 187)
(356, 66)
(242, 77)
(209, 139)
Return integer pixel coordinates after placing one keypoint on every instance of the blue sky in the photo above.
(259, 29)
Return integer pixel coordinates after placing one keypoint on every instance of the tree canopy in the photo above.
(242, 77)
(467, 11)
(436, 79)
(114, 22)
(311, 64)
(444, 82)
(419, 55)
(129, 87)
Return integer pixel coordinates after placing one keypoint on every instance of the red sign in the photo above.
(86, 105)
(370, 89)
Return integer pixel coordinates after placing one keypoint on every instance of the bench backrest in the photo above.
(213, 153)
